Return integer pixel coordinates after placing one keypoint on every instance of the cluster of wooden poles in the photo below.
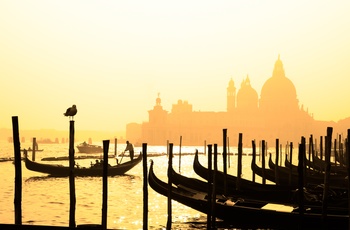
(72, 224)
(212, 151)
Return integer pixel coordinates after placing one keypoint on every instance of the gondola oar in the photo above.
(122, 157)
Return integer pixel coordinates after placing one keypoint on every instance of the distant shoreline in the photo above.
(26, 136)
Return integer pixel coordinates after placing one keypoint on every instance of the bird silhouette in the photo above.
(71, 111)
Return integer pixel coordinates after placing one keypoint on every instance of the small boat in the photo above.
(88, 148)
(94, 170)
(246, 213)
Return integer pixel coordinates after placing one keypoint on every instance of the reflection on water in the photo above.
(46, 200)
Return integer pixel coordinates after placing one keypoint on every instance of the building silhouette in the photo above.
(275, 115)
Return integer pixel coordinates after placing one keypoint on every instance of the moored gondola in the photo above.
(94, 170)
(260, 214)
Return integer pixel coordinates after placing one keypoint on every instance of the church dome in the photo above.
(247, 97)
(278, 91)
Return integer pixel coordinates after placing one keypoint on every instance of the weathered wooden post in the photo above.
(145, 186)
(210, 179)
(71, 176)
(327, 172)
(115, 147)
(213, 199)
(301, 180)
(321, 147)
(228, 153)
(239, 162)
(170, 182)
(180, 154)
(34, 148)
(254, 158)
(311, 150)
(276, 162)
(335, 151)
(347, 157)
(105, 183)
(18, 171)
(263, 161)
(224, 155)
(291, 162)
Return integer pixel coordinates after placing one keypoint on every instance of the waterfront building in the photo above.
(277, 114)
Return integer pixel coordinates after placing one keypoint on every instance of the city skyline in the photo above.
(112, 59)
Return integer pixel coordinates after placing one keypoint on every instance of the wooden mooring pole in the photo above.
(254, 158)
(328, 151)
(291, 162)
(105, 184)
(34, 148)
(210, 179)
(228, 153)
(180, 154)
(170, 182)
(263, 161)
(213, 199)
(224, 155)
(18, 171)
(71, 176)
(145, 186)
(301, 157)
(347, 157)
(239, 161)
(276, 162)
(115, 147)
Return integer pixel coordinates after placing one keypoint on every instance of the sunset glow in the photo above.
(112, 58)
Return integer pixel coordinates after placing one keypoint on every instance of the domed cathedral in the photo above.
(275, 115)
(279, 107)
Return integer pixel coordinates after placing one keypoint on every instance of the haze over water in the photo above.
(112, 58)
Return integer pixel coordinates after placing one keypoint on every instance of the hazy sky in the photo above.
(112, 58)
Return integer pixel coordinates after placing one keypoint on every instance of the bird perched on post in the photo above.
(71, 111)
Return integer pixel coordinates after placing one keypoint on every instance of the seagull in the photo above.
(71, 111)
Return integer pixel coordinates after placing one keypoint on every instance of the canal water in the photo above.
(46, 200)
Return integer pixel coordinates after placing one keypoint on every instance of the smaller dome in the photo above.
(247, 97)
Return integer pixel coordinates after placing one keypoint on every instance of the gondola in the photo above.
(319, 165)
(311, 177)
(245, 213)
(231, 182)
(94, 170)
(270, 192)
(312, 196)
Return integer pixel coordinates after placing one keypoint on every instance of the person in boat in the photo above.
(97, 164)
(130, 148)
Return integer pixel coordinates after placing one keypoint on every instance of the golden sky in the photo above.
(112, 58)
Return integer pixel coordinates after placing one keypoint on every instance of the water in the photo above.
(46, 200)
